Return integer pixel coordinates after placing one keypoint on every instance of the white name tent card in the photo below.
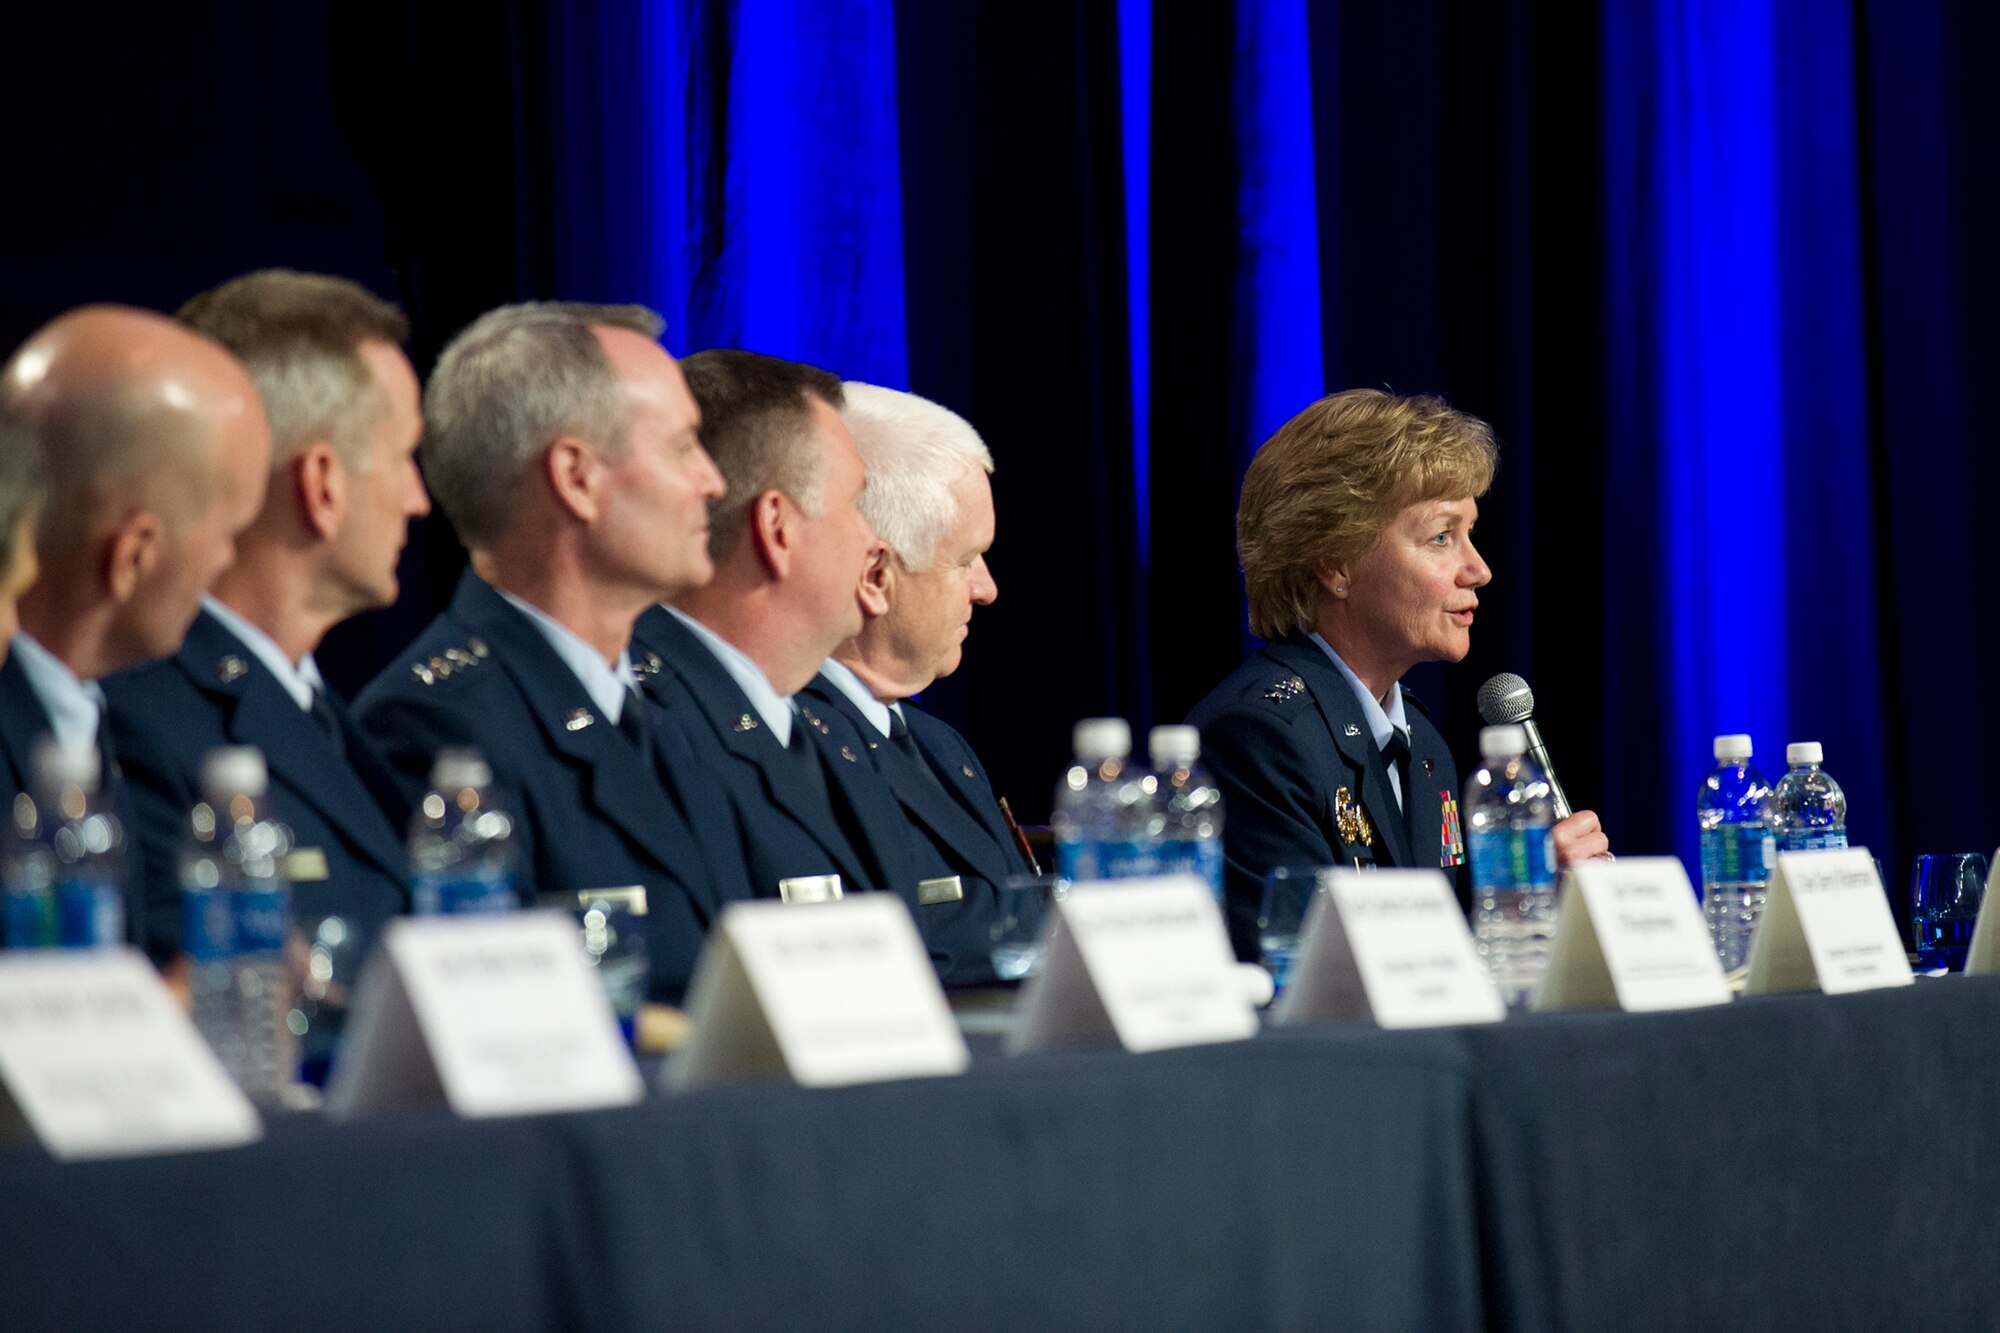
(1826, 923)
(99, 1060)
(837, 992)
(491, 1014)
(1392, 944)
(1629, 934)
(1983, 953)
(1142, 963)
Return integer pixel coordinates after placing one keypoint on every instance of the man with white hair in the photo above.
(929, 499)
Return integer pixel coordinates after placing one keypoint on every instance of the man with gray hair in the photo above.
(156, 449)
(929, 498)
(562, 443)
(789, 543)
(342, 401)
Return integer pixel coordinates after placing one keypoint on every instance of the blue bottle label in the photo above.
(1814, 839)
(208, 931)
(31, 920)
(261, 915)
(1200, 857)
(1737, 854)
(90, 914)
(1088, 860)
(1523, 858)
(467, 889)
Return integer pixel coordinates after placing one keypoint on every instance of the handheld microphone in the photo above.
(1507, 701)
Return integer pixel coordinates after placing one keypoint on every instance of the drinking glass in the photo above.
(1945, 892)
(1020, 912)
(1288, 893)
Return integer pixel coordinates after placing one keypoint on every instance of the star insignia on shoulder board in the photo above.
(424, 675)
(230, 668)
(441, 668)
(478, 647)
(1285, 690)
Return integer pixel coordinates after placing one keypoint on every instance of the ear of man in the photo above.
(135, 549)
(774, 532)
(576, 476)
(878, 582)
(319, 481)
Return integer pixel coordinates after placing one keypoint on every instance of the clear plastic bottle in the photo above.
(236, 917)
(1189, 805)
(1808, 809)
(1106, 826)
(461, 842)
(1508, 821)
(65, 863)
(1737, 849)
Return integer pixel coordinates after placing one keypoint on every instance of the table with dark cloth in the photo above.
(1311, 1179)
(1794, 1162)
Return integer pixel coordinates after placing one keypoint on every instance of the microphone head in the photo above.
(1506, 700)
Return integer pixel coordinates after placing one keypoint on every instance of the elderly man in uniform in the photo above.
(561, 442)
(1355, 533)
(156, 449)
(929, 498)
(789, 543)
(342, 401)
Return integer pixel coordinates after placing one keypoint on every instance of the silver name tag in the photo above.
(810, 888)
(946, 890)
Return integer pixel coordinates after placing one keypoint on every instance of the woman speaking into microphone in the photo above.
(1355, 535)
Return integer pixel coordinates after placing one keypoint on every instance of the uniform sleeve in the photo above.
(1271, 808)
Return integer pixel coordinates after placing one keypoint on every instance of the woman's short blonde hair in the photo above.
(1321, 490)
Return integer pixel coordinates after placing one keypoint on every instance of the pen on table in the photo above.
(1020, 838)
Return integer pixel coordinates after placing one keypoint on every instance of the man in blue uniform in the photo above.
(789, 544)
(156, 449)
(563, 445)
(1355, 533)
(929, 499)
(342, 402)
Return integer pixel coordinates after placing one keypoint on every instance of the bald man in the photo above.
(156, 448)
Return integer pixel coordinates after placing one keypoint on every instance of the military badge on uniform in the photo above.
(1350, 821)
(230, 668)
(577, 719)
(1286, 690)
(1452, 836)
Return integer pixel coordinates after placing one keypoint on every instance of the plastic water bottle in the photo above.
(1808, 809)
(1737, 849)
(1190, 807)
(65, 867)
(1105, 823)
(1508, 821)
(236, 916)
(461, 843)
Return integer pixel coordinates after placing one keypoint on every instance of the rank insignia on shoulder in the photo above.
(647, 665)
(230, 668)
(440, 667)
(478, 647)
(1284, 691)
(1350, 821)
(1451, 836)
(577, 719)
(424, 674)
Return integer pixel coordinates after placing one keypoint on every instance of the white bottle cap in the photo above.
(1732, 749)
(458, 768)
(234, 770)
(61, 763)
(1502, 742)
(1102, 738)
(1804, 752)
(1174, 747)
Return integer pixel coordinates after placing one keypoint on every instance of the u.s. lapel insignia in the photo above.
(577, 719)
(1427, 765)
(965, 769)
(230, 668)
(1352, 730)
(1285, 690)
(1451, 836)
(745, 722)
(847, 754)
(1349, 820)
